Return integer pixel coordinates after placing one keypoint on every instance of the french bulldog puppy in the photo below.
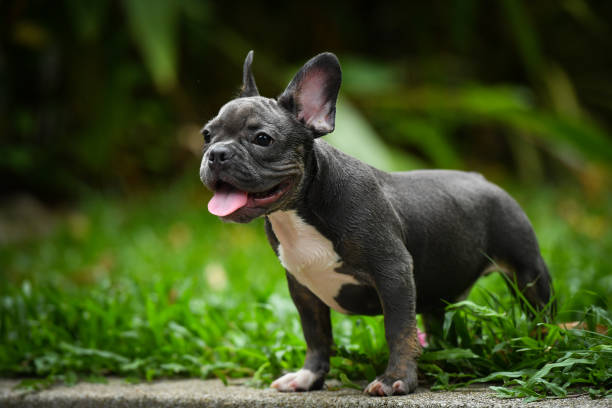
(354, 238)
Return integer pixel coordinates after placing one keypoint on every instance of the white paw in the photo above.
(378, 388)
(299, 381)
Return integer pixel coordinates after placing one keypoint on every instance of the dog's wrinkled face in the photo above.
(253, 158)
(255, 149)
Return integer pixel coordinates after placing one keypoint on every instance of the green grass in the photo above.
(154, 287)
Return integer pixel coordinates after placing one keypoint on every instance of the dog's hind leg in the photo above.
(514, 250)
(534, 282)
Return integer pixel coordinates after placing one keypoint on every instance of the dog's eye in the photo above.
(206, 134)
(263, 139)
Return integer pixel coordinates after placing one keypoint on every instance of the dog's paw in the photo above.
(384, 386)
(303, 380)
(378, 388)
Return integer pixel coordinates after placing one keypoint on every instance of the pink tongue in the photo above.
(226, 201)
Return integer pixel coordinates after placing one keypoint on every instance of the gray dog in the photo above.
(354, 238)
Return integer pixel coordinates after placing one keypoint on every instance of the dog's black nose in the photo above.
(219, 155)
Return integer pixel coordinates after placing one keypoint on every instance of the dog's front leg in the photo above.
(316, 325)
(396, 290)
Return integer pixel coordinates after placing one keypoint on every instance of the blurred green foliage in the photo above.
(109, 95)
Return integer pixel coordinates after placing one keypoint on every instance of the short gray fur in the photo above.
(413, 240)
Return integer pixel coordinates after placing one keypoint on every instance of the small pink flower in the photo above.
(422, 338)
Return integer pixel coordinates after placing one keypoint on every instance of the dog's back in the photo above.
(458, 226)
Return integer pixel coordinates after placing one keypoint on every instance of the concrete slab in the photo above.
(212, 393)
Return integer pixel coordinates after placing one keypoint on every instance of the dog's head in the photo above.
(255, 149)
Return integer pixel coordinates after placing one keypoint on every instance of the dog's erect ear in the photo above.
(248, 81)
(311, 95)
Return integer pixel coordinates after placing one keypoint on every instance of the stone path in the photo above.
(212, 393)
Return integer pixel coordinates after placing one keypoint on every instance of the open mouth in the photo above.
(229, 199)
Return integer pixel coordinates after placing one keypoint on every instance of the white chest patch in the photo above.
(309, 257)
